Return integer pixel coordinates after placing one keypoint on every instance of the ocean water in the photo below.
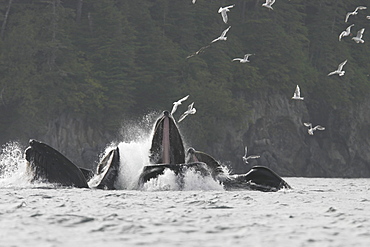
(316, 212)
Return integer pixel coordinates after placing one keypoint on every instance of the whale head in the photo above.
(46, 163)
(167, 146)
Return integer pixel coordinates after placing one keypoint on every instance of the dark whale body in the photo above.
(45, 163)
(258, 178)
(167, 146)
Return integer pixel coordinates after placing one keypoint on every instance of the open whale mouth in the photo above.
(46, 163)
(167, 146)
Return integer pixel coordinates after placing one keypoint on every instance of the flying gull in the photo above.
(297, 94)
(177, 103)
(190, 110)
(340, 70)
(346, 32)
(223, 10)
(223, 35)
(245, 158)
(198, 51)
(354, 12)
(311, 130)
(243, 60)
(358, 38)
(268, 4)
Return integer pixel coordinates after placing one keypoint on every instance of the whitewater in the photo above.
(316, 212)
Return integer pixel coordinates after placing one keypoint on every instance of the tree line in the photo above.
(109, 60)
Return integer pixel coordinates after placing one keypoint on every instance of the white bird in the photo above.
(368, 17)
(340, 70)
(223, 35)
(297, 94)
(268, 4)
(358, 38)
(354, 12)
(346, 32)
(245, 158)
(223, 11)
(190, 110)
(311, 130)
(177, 103)
(243, 60)
(194, 1)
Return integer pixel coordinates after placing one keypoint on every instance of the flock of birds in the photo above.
(297, 93)
(358, 38)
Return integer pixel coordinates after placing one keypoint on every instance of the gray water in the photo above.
(316, 212)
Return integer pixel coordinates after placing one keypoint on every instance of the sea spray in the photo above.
(13, 165)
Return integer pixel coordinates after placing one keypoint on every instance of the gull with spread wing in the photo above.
(245, 158)
(297, 94)
(340, 70)
(311, 130)
(346, 32)
(223, 10)
(358, 38)
(268, 4)
(189, 111)
(354, 12)
(243, 60)
(223, 35)
(177, 103)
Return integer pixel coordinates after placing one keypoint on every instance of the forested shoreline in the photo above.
(109, 61)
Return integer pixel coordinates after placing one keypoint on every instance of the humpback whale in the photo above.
(45, 163)
(167, 146)
(107, 171)
(166, 152)
(197, 156)
(258, 178)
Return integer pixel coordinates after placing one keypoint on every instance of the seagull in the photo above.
(190, 110)
(311, 130)
(245, 158)
(177, 103)
(346, 32)
(223, 35)
(198, 52)
(193, 1)
(268, 4)
(339, 71)
(358, 38)
(223, 10)
(243, 60)
(297, 94)
(368, 17)
(354, 12)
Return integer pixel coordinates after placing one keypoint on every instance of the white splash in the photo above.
(13, 166)
(192, 180)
